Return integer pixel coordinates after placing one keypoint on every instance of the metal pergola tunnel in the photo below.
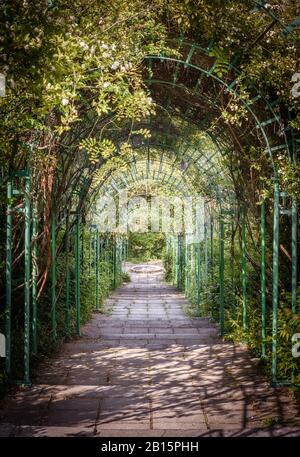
(213, 130)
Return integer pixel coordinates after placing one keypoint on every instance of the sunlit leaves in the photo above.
(97, 149)
(143, 132)
(222, 63)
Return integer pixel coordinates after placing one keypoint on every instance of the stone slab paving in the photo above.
(146, 369)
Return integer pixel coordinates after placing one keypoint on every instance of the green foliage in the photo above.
(145, 246)
(168, 264)
(222, 63)
(126, 277)
(97, 150)
(59, 61)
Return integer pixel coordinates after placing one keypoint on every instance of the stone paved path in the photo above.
(148, 370)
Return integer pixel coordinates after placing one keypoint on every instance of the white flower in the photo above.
(128, 66)
(83, 45)
(115, 65)
(106, 84)
(113, 47)
(104, 46)
(65, 101)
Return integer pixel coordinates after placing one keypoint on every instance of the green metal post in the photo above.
(244, 270)
(67, 249)
(27, 284)
(97, 268)
(114, 254)
(232, 269)
(186, 262)
(8, 277)
(263, 280)
(222, 267)
(82, 249)
(34, 281)
(195, 265)
(119, 260)
(186, 283)
(53, 274)
(77, 273)
(179, 262)
(106, 250)
(275, 280)
(294, 254)
(205, 256)
(174, 272)
(90, 251)
(212, 261)
(198, 275)
(212, 246)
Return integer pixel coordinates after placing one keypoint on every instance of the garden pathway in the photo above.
(146, 369)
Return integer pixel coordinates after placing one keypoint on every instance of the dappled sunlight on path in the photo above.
(146, 369)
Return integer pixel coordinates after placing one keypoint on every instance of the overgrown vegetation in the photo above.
(87, 109)
(144, 247)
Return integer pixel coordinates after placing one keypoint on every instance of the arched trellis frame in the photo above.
(72, 216)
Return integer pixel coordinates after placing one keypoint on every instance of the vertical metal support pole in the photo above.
(294, 254)
(97, 268)
(174, 272)
(8, 277)
(27, 284)
(275, 280)
(77, 273)
(232, 268)
(205, 256)
(181, 262)
(114, 253)
(198, 275)
(53, 274)
(177, 262)
(117, 260)
(34, 280)
(121, 260)
(212, 246)
(244, 270)
(212, 262)
(82, 249)
(263, 280)
(195, 268)
(222, 267)
(90, 251)
(67, 249)
(186, 265)
(106, 251)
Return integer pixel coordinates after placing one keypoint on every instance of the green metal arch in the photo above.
(259, 124)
